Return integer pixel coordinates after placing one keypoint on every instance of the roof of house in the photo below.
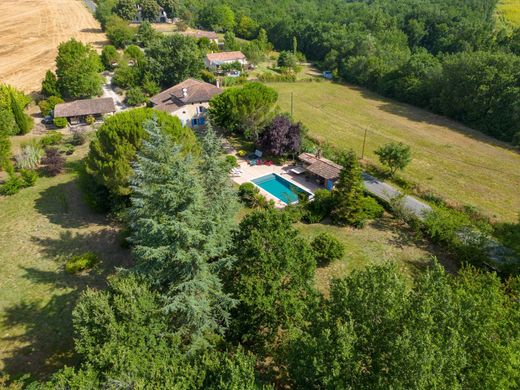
(200, 34)
(225, 56)
(85, 107)
(187, 92)
(321, 167)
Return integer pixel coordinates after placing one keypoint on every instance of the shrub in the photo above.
(277, 78)
(46, 106)
(295, 212)
(319, 208)
(208, 77)
(371, 208)
(247, 192)
(231, 161)
(53, 162)
(68, 149)
(82, 262)
(79, 137)
(90, 120)
(29, 157)
(327, 248)
(12, 185)
(28, 177)
(135, 97)
(60, 123)
(241, 153)
(52, 138)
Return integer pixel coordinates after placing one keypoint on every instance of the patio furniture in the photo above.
(298, 170)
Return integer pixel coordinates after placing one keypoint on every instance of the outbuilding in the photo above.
(78, 110)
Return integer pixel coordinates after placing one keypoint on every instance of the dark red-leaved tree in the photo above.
(53, 161)
(281, 137)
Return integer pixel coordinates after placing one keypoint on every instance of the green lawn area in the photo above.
(40, 228)
(460, 164)
(383, 240)
(511, 11)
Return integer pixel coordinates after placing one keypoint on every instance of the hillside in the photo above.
(452, 160)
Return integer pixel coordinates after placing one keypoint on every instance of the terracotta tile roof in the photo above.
(321, 167)
(225, 56)
(200, 34)
(85, 107)
(188, 92)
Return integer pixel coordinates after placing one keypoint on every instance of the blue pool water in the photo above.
(279, 188)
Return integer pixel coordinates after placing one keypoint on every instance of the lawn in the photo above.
(511, 11)
(460, 164)
(40, 228)
(386, 239)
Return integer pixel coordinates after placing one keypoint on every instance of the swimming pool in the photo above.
(280, 188)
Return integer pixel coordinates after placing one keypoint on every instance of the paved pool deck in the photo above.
(253, 172)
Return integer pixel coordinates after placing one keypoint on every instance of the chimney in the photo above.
(185, 92)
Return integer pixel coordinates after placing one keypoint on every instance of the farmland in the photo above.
(454, 161)
(31, 31)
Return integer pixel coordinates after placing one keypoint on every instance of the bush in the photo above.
(12, 185)
(208, 77)
(52, 138)
(28, 177)
(60, 123)
(53, 162)
(79, 137)
(319, 208)
(135, 97)
(81, 263)
(247, 192)
(46, 106)
(327, 248)
(371, 208)
(90, 120)
(295, 212)
(231, 161)
(277, 78)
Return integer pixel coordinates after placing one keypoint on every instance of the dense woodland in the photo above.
(456, 58)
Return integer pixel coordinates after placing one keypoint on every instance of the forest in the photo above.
(455, 58)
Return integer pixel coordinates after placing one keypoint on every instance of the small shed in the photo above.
(326, 171)
(216, 60)
(78, 110)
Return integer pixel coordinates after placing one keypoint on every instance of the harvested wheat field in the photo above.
(30, 32)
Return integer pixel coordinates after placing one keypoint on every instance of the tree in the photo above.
(119, 32)
(113, 150)
(149, 9)
(348, 193)
(50, 85)
(247, 28)
(375, 332)
(134, 53)
(218, 17)
(230, 42)
(169, 221)
(146, 34)
(23, 121)
(220, 197)
(135, 97)
(245, 110)
(109, 56)
(53, 162)
(281, 137)
(288, 60)
(104, 11)
(395, 156)
(173, 59)
(8, 124)
(272, 278)
(77, 69)
(46, 106)
(126, 9)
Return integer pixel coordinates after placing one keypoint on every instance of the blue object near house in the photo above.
(327, 74)
(330, 184)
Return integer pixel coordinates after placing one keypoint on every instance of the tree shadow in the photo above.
(63, 205)
(46, 343)
(92, 30)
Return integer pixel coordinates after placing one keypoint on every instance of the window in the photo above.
(194, 122)
(202, 121)
(202, 109)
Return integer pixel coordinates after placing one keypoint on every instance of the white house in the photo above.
(189, 101)
(215, 60)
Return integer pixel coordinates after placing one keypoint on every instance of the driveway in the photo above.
(108, 91)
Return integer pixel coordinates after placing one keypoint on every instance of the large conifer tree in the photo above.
(168, 217)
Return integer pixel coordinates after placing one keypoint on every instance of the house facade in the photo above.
(189, 101)
(216, 60)
(78, 110)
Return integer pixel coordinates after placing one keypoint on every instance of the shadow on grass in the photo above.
(46, 343)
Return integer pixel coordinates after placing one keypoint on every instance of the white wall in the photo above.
(190, 111)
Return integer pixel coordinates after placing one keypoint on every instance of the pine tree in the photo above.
(220, 197)
(23, 122)
(349, 193)
(168, 221)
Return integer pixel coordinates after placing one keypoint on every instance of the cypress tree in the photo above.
(168, 221)
(23, 122)
(349, 193)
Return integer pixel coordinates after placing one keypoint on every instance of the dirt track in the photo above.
(30, 32)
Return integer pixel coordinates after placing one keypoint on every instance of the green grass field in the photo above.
(511, 11)
(462, 165)
(40, 228)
